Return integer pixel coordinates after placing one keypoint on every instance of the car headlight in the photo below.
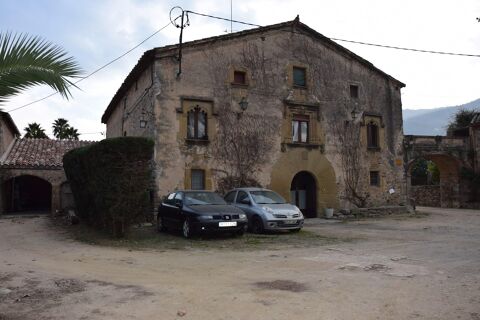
(268, 210)
(242, 216)
(205, 217)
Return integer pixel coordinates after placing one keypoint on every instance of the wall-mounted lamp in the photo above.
(243, 104)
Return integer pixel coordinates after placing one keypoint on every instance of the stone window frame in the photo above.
(371, 118)
(373, 135)
(203, 176)
(299, 118)
(356, 96)
(231, 76)
(186, 104)
(316, 135)
(299, 67)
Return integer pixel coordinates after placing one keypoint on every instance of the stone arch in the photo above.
(296, 160)
(27, 193)
(303, 193)
(449, 188)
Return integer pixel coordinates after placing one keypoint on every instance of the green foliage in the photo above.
(34, 130)
(462, 119)
(110, 181)
(26, 61)
(63, 131)
(425, 172)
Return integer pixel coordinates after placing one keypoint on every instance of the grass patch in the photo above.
(147, 237)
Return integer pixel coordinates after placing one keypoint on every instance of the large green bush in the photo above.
(110, 181)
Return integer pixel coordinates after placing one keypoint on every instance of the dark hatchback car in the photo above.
(199, 212)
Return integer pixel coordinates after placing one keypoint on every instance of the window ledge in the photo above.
(197, 141)
(239, 85)
(307, 145)
(295, 86)
(373, 149)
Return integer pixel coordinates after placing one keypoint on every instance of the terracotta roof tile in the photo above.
(39, 153)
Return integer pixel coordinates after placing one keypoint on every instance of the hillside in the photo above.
(432, 121)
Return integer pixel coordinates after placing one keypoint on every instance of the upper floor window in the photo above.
(299, 77)
(198, 179)
(372, 135)
(239, 77)
(353, 91)
(197, 124)
(300, 128)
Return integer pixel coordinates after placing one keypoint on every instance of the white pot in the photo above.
(328, 213)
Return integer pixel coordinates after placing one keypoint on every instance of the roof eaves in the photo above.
(10, 123)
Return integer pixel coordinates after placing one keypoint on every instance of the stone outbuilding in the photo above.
(32, 178)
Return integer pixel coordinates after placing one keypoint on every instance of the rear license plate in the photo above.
(228, 224)
(290, 221)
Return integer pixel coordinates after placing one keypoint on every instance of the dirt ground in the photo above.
(390, 268)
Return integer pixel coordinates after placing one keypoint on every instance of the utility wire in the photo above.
(350, 41)
(95, 71)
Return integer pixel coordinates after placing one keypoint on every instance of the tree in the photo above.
(63, 131)
(34, 130)
(27, 61)
(461, 119)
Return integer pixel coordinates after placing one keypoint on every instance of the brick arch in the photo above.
(449, 188)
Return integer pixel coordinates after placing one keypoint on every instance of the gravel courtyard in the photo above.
(403, 267)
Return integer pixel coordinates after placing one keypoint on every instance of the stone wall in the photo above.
(371, 212)
(428, 196)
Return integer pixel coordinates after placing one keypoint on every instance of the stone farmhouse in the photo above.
(285, 76)
(31, 172)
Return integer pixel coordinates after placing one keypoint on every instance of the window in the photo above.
(300, 129)
(239, 77)
(353, 91)
(299, 77)
(374, 178)
(197, 124)
(372, 135)
(198, 179)
(230, 196)
(242, 195)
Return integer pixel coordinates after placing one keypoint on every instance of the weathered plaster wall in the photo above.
(6, 136)
(136, 106)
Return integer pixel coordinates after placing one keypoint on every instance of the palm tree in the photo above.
(71, 133)
(34, 130)
(59, 127)
(26, 61)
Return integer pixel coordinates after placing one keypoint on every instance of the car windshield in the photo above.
(267, 197)
(202, 198)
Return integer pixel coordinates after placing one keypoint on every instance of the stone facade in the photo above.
(154, 101)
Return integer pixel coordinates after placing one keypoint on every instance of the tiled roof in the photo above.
(39, 153)
(476, 118)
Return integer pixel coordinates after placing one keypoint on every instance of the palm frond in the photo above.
(26, 61)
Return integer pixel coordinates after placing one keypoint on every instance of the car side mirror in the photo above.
(178, 203)
(246, 201)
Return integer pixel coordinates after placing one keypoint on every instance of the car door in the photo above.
(165, 209)
(176, 210)
(241, 202)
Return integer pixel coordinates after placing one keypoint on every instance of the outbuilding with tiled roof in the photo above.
(32, 176)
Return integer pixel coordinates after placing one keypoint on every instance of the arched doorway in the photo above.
(27, 194)
(303, 193)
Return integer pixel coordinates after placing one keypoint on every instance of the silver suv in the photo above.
(266, 210)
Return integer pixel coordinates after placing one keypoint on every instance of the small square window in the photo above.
(374, 178)
(299, 77)
(198, 179)
(239, 77)
(353, 91)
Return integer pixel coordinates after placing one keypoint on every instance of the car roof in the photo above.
(191, 190)
(250, 189)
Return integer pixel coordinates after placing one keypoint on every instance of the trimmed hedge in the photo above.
(110, 182)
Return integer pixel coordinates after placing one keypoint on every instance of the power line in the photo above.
(96, 70)
(351, 41)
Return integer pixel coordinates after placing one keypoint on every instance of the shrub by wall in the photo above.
(110, 182)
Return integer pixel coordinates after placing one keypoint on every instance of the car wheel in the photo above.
(257, 225)
(187, 229)
(295, 230)
(161, 224)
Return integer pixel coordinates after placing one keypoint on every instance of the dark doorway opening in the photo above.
(27, 194)
(303, 193)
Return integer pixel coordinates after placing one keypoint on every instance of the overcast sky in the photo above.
(97, 31)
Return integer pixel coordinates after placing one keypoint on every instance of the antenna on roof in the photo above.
(184, 22)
